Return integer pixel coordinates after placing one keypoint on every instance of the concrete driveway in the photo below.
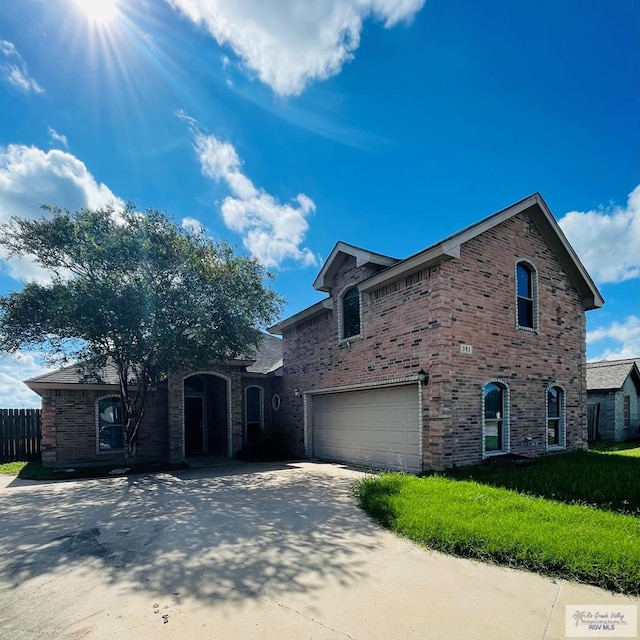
(247, 551)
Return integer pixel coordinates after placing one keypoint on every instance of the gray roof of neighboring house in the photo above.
(266, 359)
(608, 375)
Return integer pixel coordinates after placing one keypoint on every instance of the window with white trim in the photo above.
(526, 297)
(495, 418)
(109, 419)
(350, 314)
(555, 417)
(253, 413)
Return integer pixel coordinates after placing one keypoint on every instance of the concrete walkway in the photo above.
(247, 551)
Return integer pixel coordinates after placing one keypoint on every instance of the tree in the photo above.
(134, 289)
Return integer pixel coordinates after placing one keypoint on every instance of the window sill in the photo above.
(498, 452)
(109, 452)
(556, 447)
(533, 330)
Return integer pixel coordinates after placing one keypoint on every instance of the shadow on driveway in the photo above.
(213, 534)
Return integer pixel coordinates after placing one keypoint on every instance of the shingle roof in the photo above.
(268, 358)
(79, 374)
(610, 374)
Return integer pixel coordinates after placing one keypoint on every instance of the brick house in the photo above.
(613, 395)
(471, 348)
(212, 410)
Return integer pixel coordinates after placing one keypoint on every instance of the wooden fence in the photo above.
(20, 434)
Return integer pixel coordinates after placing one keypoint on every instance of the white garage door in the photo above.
(376, 427)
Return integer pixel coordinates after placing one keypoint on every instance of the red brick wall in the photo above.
(69, 432)
(69, 435)
(420, 321)
(481, 300)
(238, 383)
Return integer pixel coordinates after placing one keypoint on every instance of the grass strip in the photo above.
(498, 525)
(11, 468)
(35, 470)
(607, 477)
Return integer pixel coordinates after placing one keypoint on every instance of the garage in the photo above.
(373, 427)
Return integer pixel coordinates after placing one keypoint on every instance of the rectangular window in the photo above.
(110, 436)
(525, 296)
(626, 411)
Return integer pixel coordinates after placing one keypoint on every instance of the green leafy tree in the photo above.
(136, 290)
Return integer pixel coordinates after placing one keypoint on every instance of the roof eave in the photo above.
(430, 257)
(76, 386)
(551, 230)
(305, 314)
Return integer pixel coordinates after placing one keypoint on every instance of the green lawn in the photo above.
(607, 476)
(11, 468)
(35, 470)
(542, 518)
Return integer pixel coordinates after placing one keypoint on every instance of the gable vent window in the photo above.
(350, 314)
(526, 294)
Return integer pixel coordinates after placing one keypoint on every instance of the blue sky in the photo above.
(285, 126)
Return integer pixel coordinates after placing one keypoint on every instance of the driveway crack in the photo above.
(320, 624)
(553, 608)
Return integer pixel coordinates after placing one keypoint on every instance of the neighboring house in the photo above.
(214, 409)
(613, 393)
(472, 348)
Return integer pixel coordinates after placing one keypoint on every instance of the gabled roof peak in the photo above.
(362, 256)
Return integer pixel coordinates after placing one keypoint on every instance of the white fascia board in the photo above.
(305, 314)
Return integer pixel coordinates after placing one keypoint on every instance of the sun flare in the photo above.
(100, 12)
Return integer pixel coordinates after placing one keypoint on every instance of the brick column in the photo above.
(175, 415)
(48, 427)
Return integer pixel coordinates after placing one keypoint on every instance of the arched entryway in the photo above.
(206, 414)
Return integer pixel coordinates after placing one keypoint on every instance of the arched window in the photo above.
(110, 436)
(526, 296)
(495, 424)
(555, 417)
(350, 314)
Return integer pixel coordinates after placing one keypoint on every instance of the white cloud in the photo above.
(291, 43)
(192, 225)
(626, 333)
(272, 232)
(14, 394)
(607, 240)
(14, 69)
(30, 177)
(58, 137)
